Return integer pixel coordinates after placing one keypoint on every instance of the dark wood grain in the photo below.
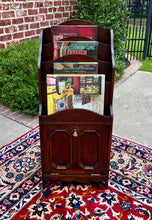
(86, 156)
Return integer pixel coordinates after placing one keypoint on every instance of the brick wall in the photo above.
(23, 19)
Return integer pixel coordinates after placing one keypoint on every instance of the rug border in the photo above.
(134, 142)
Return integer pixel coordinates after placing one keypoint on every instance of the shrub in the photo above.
(110, 14)
(19, 77)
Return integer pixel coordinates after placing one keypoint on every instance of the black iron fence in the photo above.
(139, 43)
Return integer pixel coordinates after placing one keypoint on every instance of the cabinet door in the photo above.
(75, 149)
(57, 149)
(93, 148)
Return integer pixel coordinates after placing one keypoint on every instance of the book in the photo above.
(62, 48)
(75, 91)
(63, 31)
(75, 67)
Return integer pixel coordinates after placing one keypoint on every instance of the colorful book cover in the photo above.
(75, 67)
(63, 31)
(76, 91)
(62, 48)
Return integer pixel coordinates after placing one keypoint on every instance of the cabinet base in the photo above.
(101, 179)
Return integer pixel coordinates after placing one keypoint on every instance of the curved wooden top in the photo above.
(76, 115)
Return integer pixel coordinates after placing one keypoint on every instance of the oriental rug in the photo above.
(129, 194)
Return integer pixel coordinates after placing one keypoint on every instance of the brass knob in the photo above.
(75, 133)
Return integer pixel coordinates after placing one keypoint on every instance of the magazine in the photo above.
(75, 91)
(63, 31)
(62, 48)
(75, 68)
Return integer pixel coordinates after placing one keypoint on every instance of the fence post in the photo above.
(147, 29)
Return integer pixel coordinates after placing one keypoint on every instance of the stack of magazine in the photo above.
(75, 84)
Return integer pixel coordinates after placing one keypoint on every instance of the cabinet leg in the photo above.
(104, 184)
(44, 182)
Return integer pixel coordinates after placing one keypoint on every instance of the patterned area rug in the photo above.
(129, 195)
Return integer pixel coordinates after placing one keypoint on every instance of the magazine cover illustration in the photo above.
(76, 91)
(63, 31)
(62, 48)
(75, 68)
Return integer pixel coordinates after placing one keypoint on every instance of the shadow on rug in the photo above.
(129, 195)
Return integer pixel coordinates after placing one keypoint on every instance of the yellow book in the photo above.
(75, 91)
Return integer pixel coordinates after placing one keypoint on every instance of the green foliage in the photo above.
(110, 14)
(146, 65)
(120, 69)
(19, 77)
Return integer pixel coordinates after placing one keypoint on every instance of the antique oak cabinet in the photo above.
(76, 143)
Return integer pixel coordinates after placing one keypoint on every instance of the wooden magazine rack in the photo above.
(76, 143)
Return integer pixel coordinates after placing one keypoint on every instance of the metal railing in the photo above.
(139, 38)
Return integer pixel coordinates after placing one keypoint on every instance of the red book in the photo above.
(63, 31)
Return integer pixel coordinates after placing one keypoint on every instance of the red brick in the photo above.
(29, 33)
(57, 3)
(72, 2)
(72, 13)
(34, 123)
(58, 15)
(4, 109)
(45, 23)
(74, 8)
(21, 13)
(52, 9)
(49, 16)
(11, 43)
(32, 11)
(1, 30)
(15, 115)
(17, 21)
(68, 8)
(11, 29)
(28, 5)
(34, 25)
(29, 19)
(39, 4)
(64, 2)
(42, 10)
(23, 27)
(18, 35)
(66, 14)
(29, 120)
(2, 46)
(48, 4)
(38, 31)
(9, 14)
(7, 113)
(60, 9)
(39, 18)
(6, 37)
(16, 6)
(53, 22)
(5, 7)
(21, 117)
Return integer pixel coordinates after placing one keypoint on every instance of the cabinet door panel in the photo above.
(60, 149)
(93, 148)
(89, 149)
(56, 152)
